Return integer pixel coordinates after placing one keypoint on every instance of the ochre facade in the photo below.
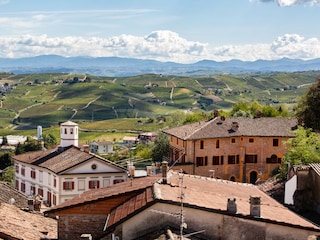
(241, 159)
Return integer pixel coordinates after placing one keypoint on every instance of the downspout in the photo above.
(194, 157)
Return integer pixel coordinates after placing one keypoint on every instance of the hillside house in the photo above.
(60, 174)
(236, 149)
(147, 137)
(101, 147)
(212, 208)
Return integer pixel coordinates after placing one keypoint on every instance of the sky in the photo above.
(184, 31)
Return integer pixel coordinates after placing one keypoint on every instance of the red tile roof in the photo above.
(136, 184)
(217, 128)
(208, 194)
(18, 224)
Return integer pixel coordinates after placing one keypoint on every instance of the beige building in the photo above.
(236, 149)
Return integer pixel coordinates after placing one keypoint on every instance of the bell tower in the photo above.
(68, 134)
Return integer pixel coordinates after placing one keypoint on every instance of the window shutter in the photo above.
(72, 185)
(64, 185)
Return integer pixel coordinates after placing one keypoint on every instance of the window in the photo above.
(69, 185)
(33, 173)
(218, 143)
(233, 140)
(93, 184)
(54, 182)
(275, 142)
(54, 199)
(215, 160)
(201, 161)
(40, 192)
(71, 130)
(233, 159)
(23, 187)
(65, 131)
(17, 168)
(23, 171)
(274, 159)
(16, 185)
(251, 158)
(251, 140)
(201, 144)
(32, 190)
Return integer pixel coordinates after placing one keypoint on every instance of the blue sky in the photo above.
(165, 30)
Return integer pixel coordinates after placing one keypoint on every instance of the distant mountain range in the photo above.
(118, 67)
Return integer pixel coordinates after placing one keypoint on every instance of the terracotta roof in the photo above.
(135, 184)
(61, 159)
(217, 128)
(315, 167)
(7, 192)
(18, 224)
(209, 194)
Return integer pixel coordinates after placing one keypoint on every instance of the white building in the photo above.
(101, 147)
(62, 173)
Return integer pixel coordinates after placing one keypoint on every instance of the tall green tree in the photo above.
(303, 149)
(160, 148)
(308, 109)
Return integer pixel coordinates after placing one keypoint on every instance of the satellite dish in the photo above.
(12, 201)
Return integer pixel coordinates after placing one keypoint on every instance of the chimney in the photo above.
(232, 205)
(149, 170)
(211, 173)
(255, 206)
(164, 172)
(235, 126)
(131, 168)
(86, 148)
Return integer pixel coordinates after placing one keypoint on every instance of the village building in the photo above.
(195, 207)
(237, 149)
(101, 147)
(147, 137)
(302, 191)
(59, 174)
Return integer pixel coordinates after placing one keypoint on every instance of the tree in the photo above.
(303, 149)
(4, 141)
(308, 107)
(49, 140)
(8, 175)
(160, 148)
(5, 160)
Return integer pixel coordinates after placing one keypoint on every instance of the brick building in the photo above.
(236, 149)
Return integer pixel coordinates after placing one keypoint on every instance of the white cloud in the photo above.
(287, 3)
(158, 45)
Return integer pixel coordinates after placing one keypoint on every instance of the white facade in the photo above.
(57, 188)
(36, 173)
(101, 147)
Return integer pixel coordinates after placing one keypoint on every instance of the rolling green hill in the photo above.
(29, 100)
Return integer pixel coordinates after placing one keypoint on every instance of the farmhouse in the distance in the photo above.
(60, 174)
(237, 149)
